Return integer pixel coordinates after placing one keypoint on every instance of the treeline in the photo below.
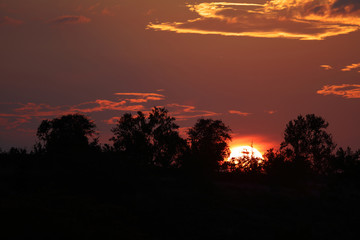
(142, 141)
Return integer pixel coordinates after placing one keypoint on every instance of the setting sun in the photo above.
(245, 151)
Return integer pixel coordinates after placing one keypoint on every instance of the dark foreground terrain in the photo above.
(159, 204)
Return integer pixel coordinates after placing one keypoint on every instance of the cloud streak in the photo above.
(142, 97)
(326, 67)
(351, 67)
(295, 19)
(344, 90)
(271, 112)
(18, 114)
(10, 21)
(185, 112)
(245, 114)
(70, 19)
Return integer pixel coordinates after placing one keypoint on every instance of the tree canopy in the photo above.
(151, 140)
(209, 142)
(306, 139)
(67, 134)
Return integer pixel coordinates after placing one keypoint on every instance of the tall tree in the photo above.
(68, 134)
(131, 137)
(167, 145)
(311, 146)
(152, 140)
(209, 143)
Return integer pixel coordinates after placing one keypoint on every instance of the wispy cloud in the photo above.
(245, 114)
(297, 19)
(142, 97)
(326, 67)
(185, 112)
(351, 67)
(12, 122)
(14, 115)
(344, 90)
(10, 21)
(70, 19)
(99, 8)
(21, 113)
(271, 112)
(112, 120)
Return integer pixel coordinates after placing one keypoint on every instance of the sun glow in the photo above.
(245, 151)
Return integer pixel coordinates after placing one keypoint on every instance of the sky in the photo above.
(254, 64)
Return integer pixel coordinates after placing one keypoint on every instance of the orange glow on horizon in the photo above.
(261, 143)
(244, 151)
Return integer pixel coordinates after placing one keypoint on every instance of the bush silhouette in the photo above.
(346, 161)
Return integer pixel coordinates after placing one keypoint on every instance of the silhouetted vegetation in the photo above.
(67, 134)
(139, 187)
(152, 140)
(307, 144)
(209, 144)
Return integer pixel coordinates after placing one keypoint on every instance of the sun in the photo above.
(245, 151)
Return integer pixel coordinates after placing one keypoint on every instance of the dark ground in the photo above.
(159, 204)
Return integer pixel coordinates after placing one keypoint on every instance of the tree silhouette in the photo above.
(306, 139)
(209, 143)
(167, 145)
(346, 161)
(131, 137)
(152, 140)
(278, 163)
(67, 134)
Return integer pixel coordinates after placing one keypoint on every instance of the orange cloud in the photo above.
(69, 19)
(9, 21)
(44, 110)
(296, 19)
(185, 112)
(326, 67)
(271, 112)
(140, 94)
(21, 113)
(351, 67)
(245, 114)
(112, 120)
(344, 90)
(102, 105)
(142, 97)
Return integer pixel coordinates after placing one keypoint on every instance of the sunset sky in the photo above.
(253, 64)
